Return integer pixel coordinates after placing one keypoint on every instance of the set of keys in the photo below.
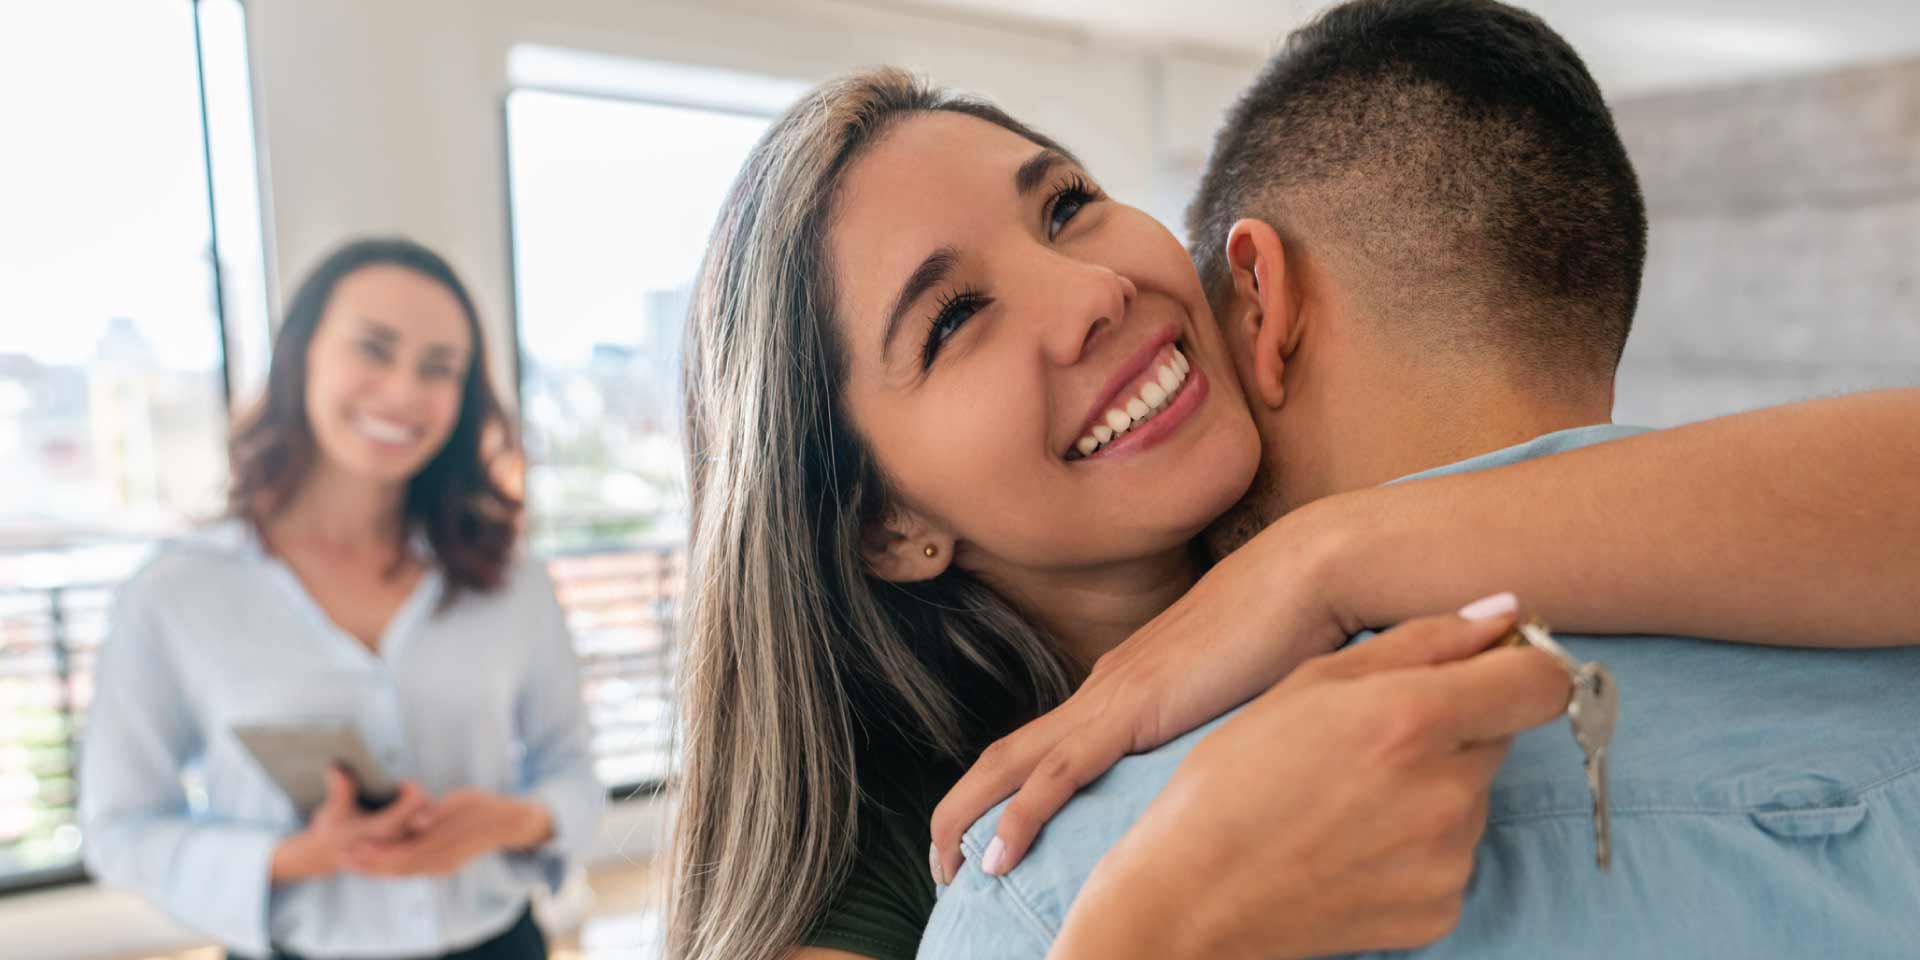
(1591, 712)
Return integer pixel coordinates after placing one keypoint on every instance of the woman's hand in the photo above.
(461, 825)
(1253, 618)
(1338, 812)
(338, 825)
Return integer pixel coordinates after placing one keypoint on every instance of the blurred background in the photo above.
(170, 167)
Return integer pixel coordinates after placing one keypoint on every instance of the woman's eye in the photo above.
(373, 350)
(1068, 200)
(436, 372)
(954, 312)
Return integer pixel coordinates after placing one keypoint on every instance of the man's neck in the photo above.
(1409, 424)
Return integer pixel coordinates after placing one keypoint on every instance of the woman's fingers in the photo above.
(339, 798)
(1513, 690)
(1076, 761)
(1001, 769)
(391, 821)
(1423, 642)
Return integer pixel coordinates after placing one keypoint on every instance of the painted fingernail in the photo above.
(995, 860)
(933, 866)
(1486, 608)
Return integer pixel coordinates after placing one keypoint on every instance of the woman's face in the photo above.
(1002, 318)
(385, 372)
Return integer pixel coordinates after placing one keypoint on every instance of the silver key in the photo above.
(1591, 712)
(1596, 703)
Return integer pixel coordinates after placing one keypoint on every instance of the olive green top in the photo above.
(887, 899)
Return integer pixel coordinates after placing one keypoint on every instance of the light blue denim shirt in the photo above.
(213, 632)
(1766, 804)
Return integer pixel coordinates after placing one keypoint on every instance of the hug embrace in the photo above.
(1036, 563)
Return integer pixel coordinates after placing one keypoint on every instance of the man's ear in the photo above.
(904, 548)
(1267, 298)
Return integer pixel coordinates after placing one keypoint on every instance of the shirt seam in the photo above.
(1017, 897)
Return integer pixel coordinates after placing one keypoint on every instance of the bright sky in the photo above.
(102, 181)
(611, 199)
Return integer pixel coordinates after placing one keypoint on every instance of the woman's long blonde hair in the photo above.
(798, 666)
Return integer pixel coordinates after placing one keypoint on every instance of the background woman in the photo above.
(368, 574)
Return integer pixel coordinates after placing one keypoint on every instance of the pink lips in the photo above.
(1145, 436)
(1125, 377)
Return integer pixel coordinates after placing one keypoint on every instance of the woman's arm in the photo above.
(1795, 525)
(1790, 525)
(1337, 812)
(211, 876)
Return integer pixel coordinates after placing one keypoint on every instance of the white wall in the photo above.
(384, 116)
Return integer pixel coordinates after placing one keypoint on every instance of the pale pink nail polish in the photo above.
(994, 863)
(1486, 608)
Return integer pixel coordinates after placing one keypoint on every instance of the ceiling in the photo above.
(1632, 46)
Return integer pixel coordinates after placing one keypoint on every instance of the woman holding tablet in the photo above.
(367, 580)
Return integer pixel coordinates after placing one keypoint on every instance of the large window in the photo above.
(612, 201)
(131, 302)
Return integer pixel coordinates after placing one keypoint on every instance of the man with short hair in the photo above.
(1424, 241)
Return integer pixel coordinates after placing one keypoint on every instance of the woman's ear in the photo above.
(1267, 301)
(904, 548)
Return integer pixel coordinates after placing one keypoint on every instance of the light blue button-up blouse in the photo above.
(214, 632)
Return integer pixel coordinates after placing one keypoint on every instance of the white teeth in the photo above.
(1153, 397)
(384, 431)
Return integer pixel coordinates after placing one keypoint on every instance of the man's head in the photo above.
(1420, 195)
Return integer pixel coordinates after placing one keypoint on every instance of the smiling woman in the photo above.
(369, 307)
(367, 578)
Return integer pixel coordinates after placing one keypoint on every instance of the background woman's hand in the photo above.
(338, 825)
(443, 836)
(1338, 812)
(1253, 618)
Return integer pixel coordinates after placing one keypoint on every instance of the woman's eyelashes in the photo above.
(1065, 202)
(954, 309)
(1069, 197)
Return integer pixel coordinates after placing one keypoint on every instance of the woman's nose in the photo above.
(1092, 300)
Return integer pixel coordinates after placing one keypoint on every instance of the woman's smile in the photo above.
(1164, 392)
(1035, 368)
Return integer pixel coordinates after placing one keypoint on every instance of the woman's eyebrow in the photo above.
(926, 276)
(377, 330)
(1030, 175)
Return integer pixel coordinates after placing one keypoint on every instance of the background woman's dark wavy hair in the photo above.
(456, 501)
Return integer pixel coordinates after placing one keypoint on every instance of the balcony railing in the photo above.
(620, 603)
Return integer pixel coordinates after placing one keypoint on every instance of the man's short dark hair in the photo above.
(1459, 158)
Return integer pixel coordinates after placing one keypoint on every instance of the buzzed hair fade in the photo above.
(1457, 157)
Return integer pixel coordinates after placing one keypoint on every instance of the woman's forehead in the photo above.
(937, 180)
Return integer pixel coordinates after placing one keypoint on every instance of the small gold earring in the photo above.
(930, 551)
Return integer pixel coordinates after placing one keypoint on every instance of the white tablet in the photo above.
(296, 756)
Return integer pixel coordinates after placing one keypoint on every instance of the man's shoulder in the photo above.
(1042, 886)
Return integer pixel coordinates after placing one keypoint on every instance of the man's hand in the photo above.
(1338, 812)
(443, 837)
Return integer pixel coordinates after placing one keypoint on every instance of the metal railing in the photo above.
(620, 603)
